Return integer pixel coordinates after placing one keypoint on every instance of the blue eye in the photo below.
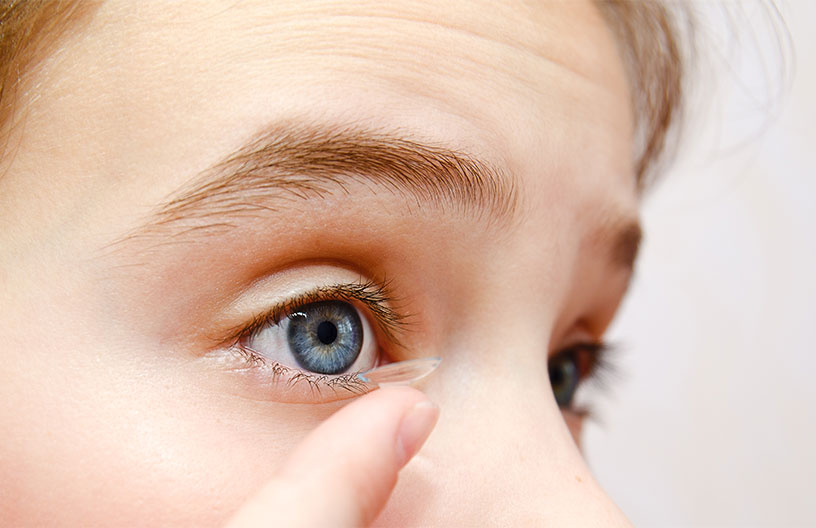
(322, 337)
(325, 337)
(564, 378)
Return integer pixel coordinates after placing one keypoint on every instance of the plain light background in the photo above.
(710, 419)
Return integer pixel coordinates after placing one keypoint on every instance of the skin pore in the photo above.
(176, 171)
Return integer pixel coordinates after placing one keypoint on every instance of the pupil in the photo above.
(556, 376)
(326, 332)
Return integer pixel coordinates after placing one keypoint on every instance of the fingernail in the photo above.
(415, 428)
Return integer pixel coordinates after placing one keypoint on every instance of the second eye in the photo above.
(325, 337)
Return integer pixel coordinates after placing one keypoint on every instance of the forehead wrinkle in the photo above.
(403, 46)
(535, 29)
(291, 163)
(475, 47)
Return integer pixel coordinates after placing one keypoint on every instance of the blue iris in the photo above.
(564, 378)
(325, 337)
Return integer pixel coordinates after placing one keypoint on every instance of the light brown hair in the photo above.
(650, 39)
(29, 31)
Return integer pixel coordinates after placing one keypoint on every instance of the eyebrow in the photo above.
(295, 162)
(621, 237)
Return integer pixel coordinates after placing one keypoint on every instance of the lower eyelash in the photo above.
(292, 376)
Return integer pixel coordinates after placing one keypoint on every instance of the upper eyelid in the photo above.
(375, 296)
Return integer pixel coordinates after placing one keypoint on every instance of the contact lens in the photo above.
(401, 372)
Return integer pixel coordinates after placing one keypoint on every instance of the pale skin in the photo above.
(122, 407)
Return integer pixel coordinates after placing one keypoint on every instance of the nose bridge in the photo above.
(508, 431)
(499, 417)
(501, 453)
(498, 457)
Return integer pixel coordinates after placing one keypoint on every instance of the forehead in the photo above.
(536, 87)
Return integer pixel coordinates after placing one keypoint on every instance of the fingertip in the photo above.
(350, 461)
(415, 428)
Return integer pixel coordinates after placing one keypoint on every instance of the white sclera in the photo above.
(400, 373)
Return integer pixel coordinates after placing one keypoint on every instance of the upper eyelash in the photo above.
(602, 368)
(375, 296)
(599, 351)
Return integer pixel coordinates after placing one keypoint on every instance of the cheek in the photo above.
(575, 424)
(98, 438)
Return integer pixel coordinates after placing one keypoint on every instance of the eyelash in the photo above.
(600, 368)
(376, 297)
(348, 382)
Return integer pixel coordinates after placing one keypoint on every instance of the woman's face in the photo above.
(457, 173)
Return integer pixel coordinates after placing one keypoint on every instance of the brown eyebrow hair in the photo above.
(621, 238)
(297, 162)
(300, 162)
